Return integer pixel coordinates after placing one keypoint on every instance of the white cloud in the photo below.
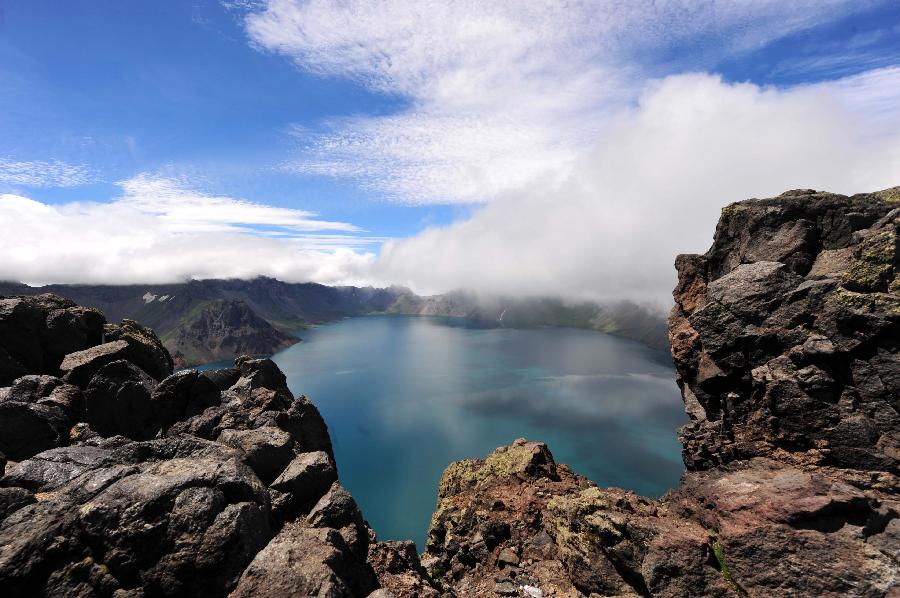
(653, 187)
(39, 173)
(160, 231)
(501, 94)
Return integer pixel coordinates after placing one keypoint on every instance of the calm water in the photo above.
(405, 396)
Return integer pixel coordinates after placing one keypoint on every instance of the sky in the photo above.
(524, 147)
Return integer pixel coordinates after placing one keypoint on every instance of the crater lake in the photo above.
(403, 396)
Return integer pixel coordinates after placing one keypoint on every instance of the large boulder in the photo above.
(303, 482)
(267, 450)
(79, 367)
(48, 390)
(118, 401)
(303, 561)
(145, 349)
(37, 332)
(185, 524)
(29, 428)
(183, 395)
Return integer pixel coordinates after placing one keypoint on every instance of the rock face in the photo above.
(37, 332)
(125, 479)
(785, 338)
(785, 334)
(221, 329)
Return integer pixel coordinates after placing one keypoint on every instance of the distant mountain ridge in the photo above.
(211, 320)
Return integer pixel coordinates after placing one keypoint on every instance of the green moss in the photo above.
(873, 268)
(719, 554)
(891, 195)
(869, 302)
(732, 209)
(504, 461)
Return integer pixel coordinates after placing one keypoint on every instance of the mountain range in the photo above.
(202, 321)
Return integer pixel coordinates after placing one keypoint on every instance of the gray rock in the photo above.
(78, 368)
(144, 348)
(51, 469)
(267, 450)
(183, 395)
(307, 477)
(36, 332)
(118, 401)
(302, 561)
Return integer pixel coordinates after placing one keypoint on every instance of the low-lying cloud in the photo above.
(161, 231)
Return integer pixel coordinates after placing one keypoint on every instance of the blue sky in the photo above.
(175, 87)
(406, 123)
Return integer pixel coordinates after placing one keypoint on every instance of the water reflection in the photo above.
(405, 396)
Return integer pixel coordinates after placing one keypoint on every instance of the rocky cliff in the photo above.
(219, 330)
(785, 336)
(124, 479)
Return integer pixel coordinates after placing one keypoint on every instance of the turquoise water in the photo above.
(405, 396)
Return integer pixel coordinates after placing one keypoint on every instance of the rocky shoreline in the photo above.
(123, 478)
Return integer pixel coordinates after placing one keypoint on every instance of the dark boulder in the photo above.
(145, 349)
(51, 469)
(260, 373)
(79, 367)
(37, 332)
(302, 483)
(185, 525)
(223, 378)
(267, 450)
(30, 428)
(336, 509)
(182, 395)
(118, 401)
(48, 390)
(12, 499)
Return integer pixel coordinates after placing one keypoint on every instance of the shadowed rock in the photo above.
(37, 332)
(118, 401)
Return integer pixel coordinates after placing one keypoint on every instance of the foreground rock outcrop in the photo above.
(785, 337)
(123, 478)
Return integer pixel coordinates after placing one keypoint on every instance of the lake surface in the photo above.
(405, 396)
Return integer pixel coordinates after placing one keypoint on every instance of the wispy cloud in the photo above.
(185, 210)
(501, 94)
(160, 230)
(40, 173)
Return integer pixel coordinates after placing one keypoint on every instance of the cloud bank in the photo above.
(161, 231)
(654, 187)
